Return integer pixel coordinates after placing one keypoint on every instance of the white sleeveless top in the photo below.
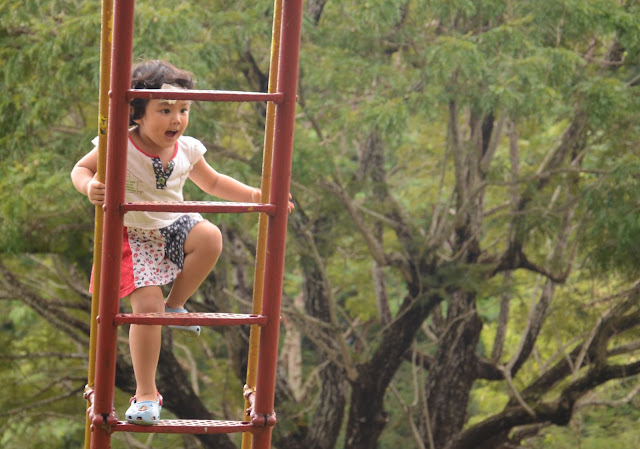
(147, 180)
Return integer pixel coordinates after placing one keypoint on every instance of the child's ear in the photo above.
(131, 114)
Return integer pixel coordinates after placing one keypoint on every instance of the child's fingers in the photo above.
(291, 205)
(96, 192)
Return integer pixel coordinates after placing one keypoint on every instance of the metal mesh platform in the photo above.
(199, 206)
(190, 319)
(188, 426)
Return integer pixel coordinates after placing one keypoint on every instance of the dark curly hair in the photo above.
(152, 75)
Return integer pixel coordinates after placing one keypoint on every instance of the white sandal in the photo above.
(145, 413)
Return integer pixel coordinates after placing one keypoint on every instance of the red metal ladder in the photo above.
(101, 414)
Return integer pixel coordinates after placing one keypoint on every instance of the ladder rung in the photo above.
(199, 206)
(191, 319)
(204, 95)
(188, 426)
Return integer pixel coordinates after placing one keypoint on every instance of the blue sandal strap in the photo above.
(186, 329)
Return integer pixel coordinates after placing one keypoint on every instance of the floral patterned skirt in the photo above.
(153, 256)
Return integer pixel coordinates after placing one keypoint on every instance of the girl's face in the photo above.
(164, 121)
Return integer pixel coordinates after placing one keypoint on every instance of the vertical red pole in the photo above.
(122, 49)
(277, 225)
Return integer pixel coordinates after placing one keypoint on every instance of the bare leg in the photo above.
(145, 342)
(202, 249)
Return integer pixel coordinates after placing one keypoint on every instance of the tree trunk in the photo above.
(367, 417)
(453, 372)
(323, 431)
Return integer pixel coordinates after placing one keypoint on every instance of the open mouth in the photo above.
(170, 134)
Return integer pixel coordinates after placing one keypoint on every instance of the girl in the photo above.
(158, 247)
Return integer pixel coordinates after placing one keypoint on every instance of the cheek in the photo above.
(161, 121)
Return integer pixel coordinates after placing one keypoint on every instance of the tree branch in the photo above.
(375, 248)
(55, 316)
(44, 402)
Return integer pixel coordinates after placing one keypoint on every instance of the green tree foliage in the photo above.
(461, 267)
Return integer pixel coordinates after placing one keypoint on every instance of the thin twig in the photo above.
(42, 403)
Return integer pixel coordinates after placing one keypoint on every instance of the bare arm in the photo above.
(84, 179)
(222, 186)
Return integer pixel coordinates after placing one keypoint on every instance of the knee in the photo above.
(213, 238)
(205, 237)
(147, 300)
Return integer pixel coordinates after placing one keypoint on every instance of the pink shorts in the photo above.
(153, 256)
